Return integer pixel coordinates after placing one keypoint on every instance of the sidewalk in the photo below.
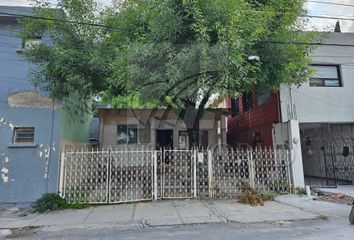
(332, 210)
(153, 214)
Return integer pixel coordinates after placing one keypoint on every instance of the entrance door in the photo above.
(164, 139)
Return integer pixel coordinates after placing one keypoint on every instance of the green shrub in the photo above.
(52, 201)
(300, 191)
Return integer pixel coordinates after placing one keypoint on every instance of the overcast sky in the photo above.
(314, 9)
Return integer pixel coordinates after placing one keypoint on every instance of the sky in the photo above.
(313, 7)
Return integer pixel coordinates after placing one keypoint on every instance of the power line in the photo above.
(117, 28)
(332, 3)
(309, 43)
(61, 20)
(331, 18)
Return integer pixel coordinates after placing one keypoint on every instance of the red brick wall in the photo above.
(259, 119)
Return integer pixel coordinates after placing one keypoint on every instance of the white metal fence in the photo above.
(116, 176)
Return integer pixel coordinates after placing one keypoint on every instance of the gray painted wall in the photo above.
(26, 172)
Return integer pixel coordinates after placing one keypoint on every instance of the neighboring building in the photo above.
(158, 128)
(321, 111)
(76, 117)
(32, 125)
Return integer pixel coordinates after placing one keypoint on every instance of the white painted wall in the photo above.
(326, 104)
(296, 165)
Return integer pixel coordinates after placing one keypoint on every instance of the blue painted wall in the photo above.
(25, 172)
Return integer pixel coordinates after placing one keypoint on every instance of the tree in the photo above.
(191, 50)
(337, 27)
(73, 57)
(178, 53)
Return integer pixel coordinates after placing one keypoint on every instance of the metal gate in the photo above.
(177, 173)
(131, 175)
(117, 176)
(328, 154)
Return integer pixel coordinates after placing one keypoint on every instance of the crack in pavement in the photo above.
(217, 212)
(83, 221)
(179, 215)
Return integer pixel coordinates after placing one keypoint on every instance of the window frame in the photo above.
(247, 106)
(128, 126)
(339, 75)
(235, 106)
(15, 136)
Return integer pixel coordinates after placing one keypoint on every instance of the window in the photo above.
(247, 102)
(204, 138)
(183, 140)
(326, 76)
(23, 135)
(235, 109)
(28, 43)
(257, 138)
(127, 134)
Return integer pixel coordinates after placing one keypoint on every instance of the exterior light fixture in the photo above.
(254, 58)
(309, 148)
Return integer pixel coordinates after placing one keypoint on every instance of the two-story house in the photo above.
(315, 120)
(33, 127)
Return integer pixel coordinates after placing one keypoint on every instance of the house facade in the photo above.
(315, 120)
(33, 127)
(157, 128)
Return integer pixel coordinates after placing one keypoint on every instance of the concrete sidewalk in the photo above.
(331, 210)
(161, 213)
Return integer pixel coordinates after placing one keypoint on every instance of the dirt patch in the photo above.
(333, 197)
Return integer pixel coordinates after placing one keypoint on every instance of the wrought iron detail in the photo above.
(117, 176)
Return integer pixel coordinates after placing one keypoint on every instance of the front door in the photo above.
(164, 139)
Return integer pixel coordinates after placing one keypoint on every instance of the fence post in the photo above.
(210, 174)
(195, 173)
(251, 166)
(108, 174)
(154, 189)
(61, 176)
(288, 168)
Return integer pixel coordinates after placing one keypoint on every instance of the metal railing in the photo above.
(125, 175)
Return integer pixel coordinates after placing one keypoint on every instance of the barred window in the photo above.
(23, 135)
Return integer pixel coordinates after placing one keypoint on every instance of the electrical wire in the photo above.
(61, 20)
(332, 3)
(117, 28)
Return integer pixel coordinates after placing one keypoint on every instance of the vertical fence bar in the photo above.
(108, 177)
(251, 167)
(155, 174)
(210, 174)
(195, 173)
(288, 163)
(276, 168)
(62, 176)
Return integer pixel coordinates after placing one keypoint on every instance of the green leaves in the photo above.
(74, 56)
(169, 49)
